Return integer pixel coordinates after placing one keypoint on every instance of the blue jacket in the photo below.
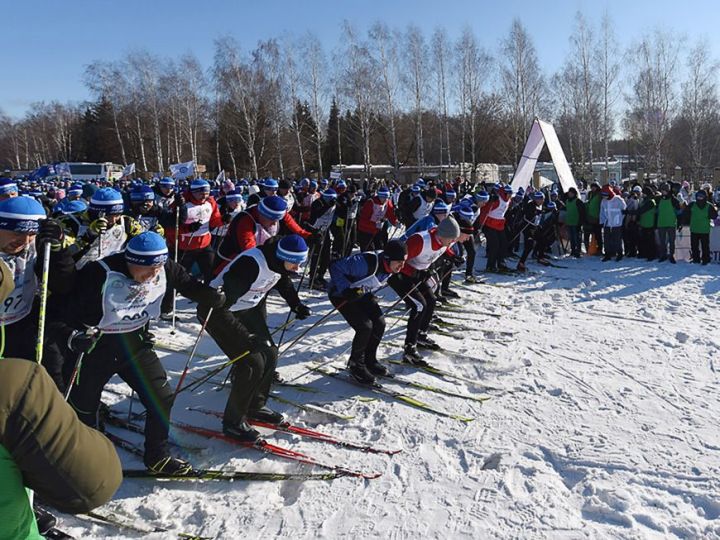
(348, 270)
(423, 224)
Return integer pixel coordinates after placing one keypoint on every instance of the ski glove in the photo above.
(83, 342)
(458, 260)
(179, 200)
(99, 226)
(50, 231)
(217, 300)
(302, 312)
(352, 293)
(194, 226)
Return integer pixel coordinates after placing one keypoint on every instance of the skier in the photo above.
(352, 283)
(240, 326)
(119, 295)
(698, 215)
(492, 218)
(143, 209)
(612, 209)
(372, 218)
(321, 217)
(411, 283)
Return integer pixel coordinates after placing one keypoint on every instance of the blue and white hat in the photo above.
(234, 195)
(383, 193)
(329, 193)
(482, 196)
(538, 195)
(76, 190)
(107, 200)
(465, 212)
(73, 207)
(292, 249)
(313, 184)
(21, 214)
(142, 193)
(200, 185)
(147, 249)
(415, 188)
(340, 184)
(450, 194)
(166, 182)
(324, 182)
(508, 189)
(7, 185)
(270, 183)
(440, 207)
(551, 205)
(272, 207)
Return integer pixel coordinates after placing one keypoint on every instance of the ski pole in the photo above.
(192, 353)
(297, 291)
(77, 367)
(43, 302)
(177, 238)
(313, 274)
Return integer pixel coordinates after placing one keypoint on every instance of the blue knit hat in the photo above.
(450, 194)
(292, 249)
(200, 185)
(142, 193)
(147, 249)
(508, 189)
(324, 182)
(415, 188)
(73, 207)
(538, 195)
(383, 193)
(273, 208)
(440, 207)
(107, 200)
(464, 212)
(167, 182)
(482, 196)
(270, 183)
(7, 185)
(329, 193)
(234, 195)
(551, 205)
(340, 184)
(21, 214)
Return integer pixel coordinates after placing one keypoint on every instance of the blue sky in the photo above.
(47, 43)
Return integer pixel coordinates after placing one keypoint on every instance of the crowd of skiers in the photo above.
(113, 258)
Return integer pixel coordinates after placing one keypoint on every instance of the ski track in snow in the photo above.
(603, 423)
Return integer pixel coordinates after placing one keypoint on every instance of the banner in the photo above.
(220, 177)
(128, 170)
(181, 171)
(63, 170)
(335, 175)
(541, 134)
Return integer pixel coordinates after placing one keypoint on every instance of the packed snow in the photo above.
(601, 423)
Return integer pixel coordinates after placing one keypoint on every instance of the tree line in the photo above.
(289, 108)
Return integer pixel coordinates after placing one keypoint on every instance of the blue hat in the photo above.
(440, 207)
(199, 185)
(700, 195)
(538, 195)
(21, 214)
(464, 211)
(147, 249)
(304, 182)
(107, 200)
(483, 196)
(292, 249)
(329, 193)
(243, 182)
(142, 193)
(383, 193)
(73, 207)
(508, 189)
(340, 184)
(75, 189)
(167, 182)
(521, 190)
(551, 205)
(270, 183)
(450, 194)
(496, 186)
(415, 188)
(313, 184)
(233, 195)
(324, 182)
(420, 182)
(273, 208)
(8, 185)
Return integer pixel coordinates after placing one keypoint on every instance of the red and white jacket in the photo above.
(424, 248)
(492, 214)
(207, 214)
(372, 214)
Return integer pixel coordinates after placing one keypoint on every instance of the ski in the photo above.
(57, 534)
(398, 396)
(442, 373)
(115, 521)
(464, 328)
(287, 427)
(452, 307)
(122, 423)
(272, 449)
(199, 475)
(437, 390)
(311, 408)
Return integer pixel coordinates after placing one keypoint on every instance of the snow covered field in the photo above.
(602, 422)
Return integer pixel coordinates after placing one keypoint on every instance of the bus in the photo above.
(83, 171)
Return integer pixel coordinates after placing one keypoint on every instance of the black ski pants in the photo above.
(366, 318)
(420, 302)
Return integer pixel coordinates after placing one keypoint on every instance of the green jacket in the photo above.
(646, 213)
(592, 207)
(45, 447)
(667, 212)
(699, 218)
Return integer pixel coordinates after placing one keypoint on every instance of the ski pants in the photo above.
(666, 241)
(647, 248)
(370, 241)
(613, 241)
(205, 259)
(469, 246)
(130, 356)
(575, 244)
(420, 302)
(700, 242)
(495, 248)
(365, 317)
(320, 258)
(528, 243)
(251, 375)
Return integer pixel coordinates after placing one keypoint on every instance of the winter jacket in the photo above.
(492, 214)
(611, 211)
(348, 270)
(206, 214)
(372, 215)
(424, 224)
(45, 447)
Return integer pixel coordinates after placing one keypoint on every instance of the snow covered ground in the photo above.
(602, 423)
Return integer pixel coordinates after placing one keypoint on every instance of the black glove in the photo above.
(302, 312)
(194, 226)
(50, 231)
(179, 200)
(216, 300)
(227, 218)
(258, 344)
(83, 342)
(458, 260)
(316, 237)
(351, 293)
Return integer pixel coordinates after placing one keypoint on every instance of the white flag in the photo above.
(220, 177)
(182, 170)
(127, 171)
(63, 170)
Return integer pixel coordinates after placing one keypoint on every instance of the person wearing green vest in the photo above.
(574, 218)
(699, 215)
(668, 208)
(647, 216)
(592, 218)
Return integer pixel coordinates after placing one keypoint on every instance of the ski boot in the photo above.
(361, 374)
(264, 414)
(425, 342)
(44, 519)
(375, 368)
(412, 356)
(242, 431)
(470, 279)
(450, 293)
(170, 465)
